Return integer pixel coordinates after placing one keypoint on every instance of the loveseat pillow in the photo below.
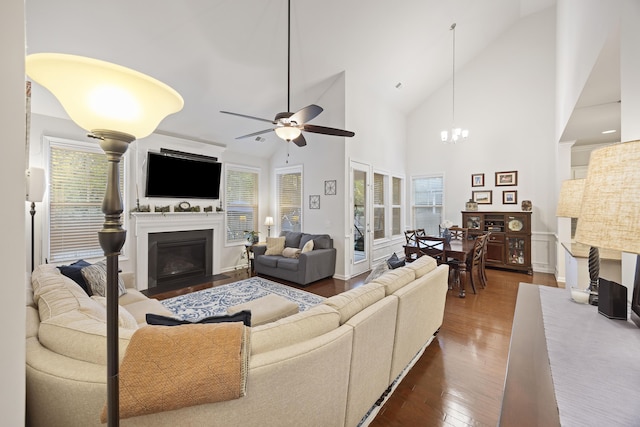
(308, 247)
(291, 238)
(291, 252)
(243, 316)
(320, 241)
(395, 262)
(74, 272)
(275, 245)
(96, 277)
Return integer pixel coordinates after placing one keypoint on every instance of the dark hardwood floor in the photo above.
(460, 377)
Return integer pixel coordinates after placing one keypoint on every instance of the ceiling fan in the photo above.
(289, 126)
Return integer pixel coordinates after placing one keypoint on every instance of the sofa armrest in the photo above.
(317, 264)
(259, 250)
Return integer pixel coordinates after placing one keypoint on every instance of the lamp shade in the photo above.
(36, 184)
(610, 212)
(570, 199)
(268, 221)
(101, 95)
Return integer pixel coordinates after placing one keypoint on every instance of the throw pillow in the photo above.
(378, 271)
(275, 245)
(291, 252)
(73, 272)
(308, 247)
(125, 319)
(96, 277)
(395, 262)
(243, 316)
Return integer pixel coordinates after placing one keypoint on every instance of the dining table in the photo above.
(461, 251)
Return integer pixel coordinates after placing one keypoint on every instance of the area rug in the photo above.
(215, 301)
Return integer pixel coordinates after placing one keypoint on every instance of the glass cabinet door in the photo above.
(473, 222)
(516, 250)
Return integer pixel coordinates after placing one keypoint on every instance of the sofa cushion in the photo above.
(268, 308)
(243, 316)
(66, 295)
(125, 319)
(423, 265)
(275, 245)
(140, 309)
(354, 301)
(395, 279)
(44, 276)
(395, 262)
(73, 272)
(294, 329)
(290, 264)
(268, 261)
(291, 252)
(320, 241)
(96, 277)
(291, 238)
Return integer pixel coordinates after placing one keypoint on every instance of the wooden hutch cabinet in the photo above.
(509, 244)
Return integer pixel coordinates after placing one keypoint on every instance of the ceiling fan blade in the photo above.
(327, 131)
(248, 117)
(306, 114)
(260, 132)
(300, 141)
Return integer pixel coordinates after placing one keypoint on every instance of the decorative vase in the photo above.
(471, 205)
(527, 205)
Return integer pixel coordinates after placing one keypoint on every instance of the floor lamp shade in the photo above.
(101, 95)
(570, 199)
(36, 184)
(610, 211)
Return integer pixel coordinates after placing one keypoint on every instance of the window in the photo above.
(396, 206)
(378, 206)
(77, 183)
(241, 196)
(427, 203)
(289, 193)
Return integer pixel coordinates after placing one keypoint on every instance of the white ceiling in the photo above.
(231, 54)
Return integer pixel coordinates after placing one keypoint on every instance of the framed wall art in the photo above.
(510, 197)
(482, 197)
(504, 179)
(314, 201)
(330, 187)
(477, 180)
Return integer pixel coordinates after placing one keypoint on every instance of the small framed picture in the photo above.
(477, 180)
(314, 201)
(510, 197)
(504, 179)
(482, 197)
(330, 187)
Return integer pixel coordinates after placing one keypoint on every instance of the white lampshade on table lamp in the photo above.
(116, 105)
(610, 211)
(268, 221)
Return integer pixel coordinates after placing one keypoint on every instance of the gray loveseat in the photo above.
(308, 267)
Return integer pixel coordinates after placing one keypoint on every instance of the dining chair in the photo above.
(433, 247)
(476, 266)
(459, 233)
(411, 251)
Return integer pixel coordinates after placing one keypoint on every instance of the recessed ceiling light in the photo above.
(604, 132)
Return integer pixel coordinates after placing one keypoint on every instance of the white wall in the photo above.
(12, 260)
(505, 97)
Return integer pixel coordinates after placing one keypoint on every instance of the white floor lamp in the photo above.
(115, 105)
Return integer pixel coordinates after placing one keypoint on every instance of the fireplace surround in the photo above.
(146, 223)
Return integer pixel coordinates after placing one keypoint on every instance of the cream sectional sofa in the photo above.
(326, 366)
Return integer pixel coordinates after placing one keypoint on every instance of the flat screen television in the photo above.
(182, 176)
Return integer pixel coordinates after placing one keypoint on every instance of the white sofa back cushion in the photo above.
(294, 329)
(354, 301)
(423, 265)
(393, 280)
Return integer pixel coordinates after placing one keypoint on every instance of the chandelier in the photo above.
(456, 133)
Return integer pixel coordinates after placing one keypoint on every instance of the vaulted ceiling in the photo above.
(231, 54)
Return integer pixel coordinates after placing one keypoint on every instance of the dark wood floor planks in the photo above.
(460, 377)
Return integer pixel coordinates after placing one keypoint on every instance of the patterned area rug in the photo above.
(214, 301)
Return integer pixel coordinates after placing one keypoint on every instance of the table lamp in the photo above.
(115, 105)
(36, 186)
(268, 221)
(610, 211)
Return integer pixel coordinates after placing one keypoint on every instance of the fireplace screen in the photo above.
(179, 258)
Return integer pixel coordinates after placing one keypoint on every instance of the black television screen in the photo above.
(182, 177)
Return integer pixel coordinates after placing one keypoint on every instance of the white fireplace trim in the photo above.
(144, 223)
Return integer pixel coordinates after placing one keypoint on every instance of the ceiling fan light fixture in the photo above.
(288, 132)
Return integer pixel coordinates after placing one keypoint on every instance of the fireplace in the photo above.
(179, 258)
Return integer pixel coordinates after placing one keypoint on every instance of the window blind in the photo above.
(77, 183)
(241, 197)
(396, 200)
(378, 206)
(289, 199)
(427, 203)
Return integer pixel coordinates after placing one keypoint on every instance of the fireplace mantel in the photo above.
(144, 223)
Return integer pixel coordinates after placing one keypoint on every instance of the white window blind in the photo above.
(378, 206)
(396, 206)
(241, 197)
(289, 188)
(77, 183)
(427, 203)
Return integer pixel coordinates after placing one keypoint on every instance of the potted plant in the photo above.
(252, 236)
